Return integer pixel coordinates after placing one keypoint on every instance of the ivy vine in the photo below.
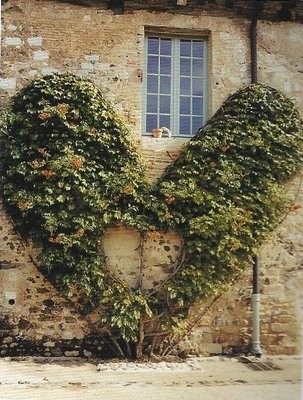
(71, 170)
(226, 190)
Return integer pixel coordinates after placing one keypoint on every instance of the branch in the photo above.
(176, 269)
(190, 326)
(141, 256)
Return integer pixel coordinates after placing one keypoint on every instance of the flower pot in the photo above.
(157, 132)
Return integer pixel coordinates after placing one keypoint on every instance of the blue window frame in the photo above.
(175, 94)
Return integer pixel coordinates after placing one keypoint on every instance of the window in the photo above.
(175, 85)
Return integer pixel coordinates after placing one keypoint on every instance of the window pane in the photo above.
(165, 121)
(152, 103)
(197, 106)
(164, 104)
(175, 84)
(152, 84)
(185, 66)
(197, 67)
(185, 105)
(153, 45)
(197, 124)
(165, 47)
(165, 65)
(151, 122)
(185, 86)
(152, 65)
(198, 48)
(185, 125)
(185, 48)
(165, 82)
(198, 87)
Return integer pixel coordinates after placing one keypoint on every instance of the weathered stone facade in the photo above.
(43, 37)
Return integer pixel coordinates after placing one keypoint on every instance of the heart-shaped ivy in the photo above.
(71, 170)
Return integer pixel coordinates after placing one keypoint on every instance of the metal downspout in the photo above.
(257, 8)
(255, 300)
(255, 304)
(253, 49)
(0, 28)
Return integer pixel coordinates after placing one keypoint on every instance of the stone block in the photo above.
(11, 27)
(49, 70)
(40, 55)
(49, 344)
(101, 66)
(87, 353)
(87, 66)
(12, 41)
(68, 335)
(8, 340)
(72, 353)
(32, 73)
(35, 41)
(91, 57)
(279, 327)
(284, 319)
(56, 352)
(7, 83)
(210, 348)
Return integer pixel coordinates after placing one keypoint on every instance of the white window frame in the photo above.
(175, 103)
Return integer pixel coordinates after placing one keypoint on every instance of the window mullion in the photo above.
(158, 89)
(144, 94)
(175, 86)
(205, 83)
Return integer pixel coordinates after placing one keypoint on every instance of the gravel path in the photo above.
(211, 378)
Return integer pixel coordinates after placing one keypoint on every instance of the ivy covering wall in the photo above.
(71, 170)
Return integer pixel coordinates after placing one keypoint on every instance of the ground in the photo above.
(209, 378)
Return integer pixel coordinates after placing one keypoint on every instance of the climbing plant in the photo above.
(226, 191)
(71, 170)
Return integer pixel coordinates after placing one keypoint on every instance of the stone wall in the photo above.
(227, 324)
(43, 37)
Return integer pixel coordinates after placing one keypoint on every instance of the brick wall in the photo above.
(43, 37)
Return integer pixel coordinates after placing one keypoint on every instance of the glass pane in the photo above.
(167, 76)
(165, 65)
(185, 66)
(197, 67)
(152, 65)
(197, 124)
(198, 47)
(152, 103)
(185, 48)
(153, 46)
(152, 84)
(165, 121)
(185, 105)
(165, 82)
(165, 47)
(184, 125)
(197, 106)
(185, 86)
(197, 87)
(151, 122)
(164, 104)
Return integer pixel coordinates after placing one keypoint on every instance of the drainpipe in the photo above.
(255, 303)
(257, 8)
(253, 50)
(0, 28)
(255, 300)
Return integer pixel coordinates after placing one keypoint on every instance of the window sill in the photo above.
(163, 143)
